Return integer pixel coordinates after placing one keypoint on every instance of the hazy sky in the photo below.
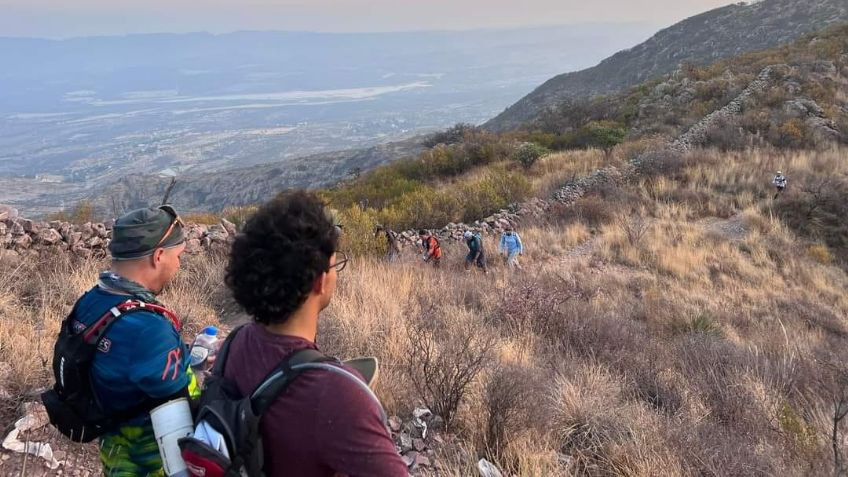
(63, 18)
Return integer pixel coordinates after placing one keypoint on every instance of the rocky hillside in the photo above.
(803, 104)
(703, 39)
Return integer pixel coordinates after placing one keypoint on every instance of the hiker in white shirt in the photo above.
(779, 182)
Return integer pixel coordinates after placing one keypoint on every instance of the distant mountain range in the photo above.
(666, 106)
(702, 39)
(90, 111)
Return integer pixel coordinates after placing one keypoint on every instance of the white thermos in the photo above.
(171, 422)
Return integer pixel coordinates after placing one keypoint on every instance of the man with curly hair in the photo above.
(283, 270)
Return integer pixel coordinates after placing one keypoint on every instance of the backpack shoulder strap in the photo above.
(224, 351)
(95, 332)
(294, 366)
(281, 376)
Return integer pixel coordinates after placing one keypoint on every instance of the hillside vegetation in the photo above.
(703, 39)
(469, 173)
(675, 325)
(679, 321)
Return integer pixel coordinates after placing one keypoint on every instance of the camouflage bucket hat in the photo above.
(138, 233)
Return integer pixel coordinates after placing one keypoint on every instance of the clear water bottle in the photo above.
(204, 347)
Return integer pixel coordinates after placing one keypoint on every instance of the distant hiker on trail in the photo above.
(511, 247)
(283, 270)
(139, 359)
(432, 248)
(779, 182)
(476, 255)
(392, 242)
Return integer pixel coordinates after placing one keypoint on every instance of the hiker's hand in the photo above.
(210, 360)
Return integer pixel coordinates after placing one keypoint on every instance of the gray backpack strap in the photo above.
(291, 368)
(343, 372)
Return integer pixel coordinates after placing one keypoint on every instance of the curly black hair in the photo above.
(284, 247)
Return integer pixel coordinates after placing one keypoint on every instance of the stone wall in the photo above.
(21, 237)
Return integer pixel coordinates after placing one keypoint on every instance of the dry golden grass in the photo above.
(693, 333)
(552, 171)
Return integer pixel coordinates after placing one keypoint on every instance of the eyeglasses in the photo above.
(341, 262)
(176, 220)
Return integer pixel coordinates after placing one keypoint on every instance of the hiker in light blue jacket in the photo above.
(511, 247)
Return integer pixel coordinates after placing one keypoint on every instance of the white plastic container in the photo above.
(171, 422)
(204, 347)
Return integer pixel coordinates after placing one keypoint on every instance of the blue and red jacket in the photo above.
(142, 355)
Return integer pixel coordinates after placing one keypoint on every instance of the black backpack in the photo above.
(236, 417)
(72, 404)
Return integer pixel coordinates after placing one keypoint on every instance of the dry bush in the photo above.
(634, 228)
(444, 360)
(511, 416)
(591, 210)
(197, 294)
(552, 171)
(34, 298)
(820, 253)
(238, 215)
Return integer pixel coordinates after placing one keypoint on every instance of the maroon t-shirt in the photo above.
(323, 425)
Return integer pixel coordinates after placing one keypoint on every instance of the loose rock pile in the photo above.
(414, 438)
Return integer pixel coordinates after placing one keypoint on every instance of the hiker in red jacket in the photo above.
(432, 248)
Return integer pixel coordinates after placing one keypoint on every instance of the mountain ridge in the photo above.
(707, 37)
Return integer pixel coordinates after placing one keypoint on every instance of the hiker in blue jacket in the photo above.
(511, 247)
(142, 358)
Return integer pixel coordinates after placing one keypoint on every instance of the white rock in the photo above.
(488, 469)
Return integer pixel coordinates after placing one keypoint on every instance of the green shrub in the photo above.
(495, 190)
(358, 237)
(601, 134)
(424, 208)
(527, 153)
(703, 323)
(452, 135)
(375, 189)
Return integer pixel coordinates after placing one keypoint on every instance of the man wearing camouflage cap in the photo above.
(142, 358)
